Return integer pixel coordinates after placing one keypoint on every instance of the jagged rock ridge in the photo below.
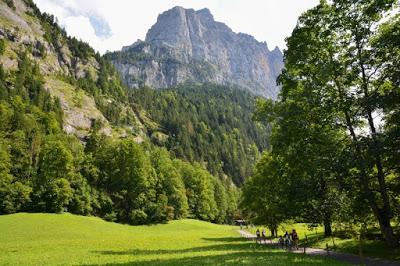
(190, 46)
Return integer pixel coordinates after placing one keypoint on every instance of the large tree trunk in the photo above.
(384, 213)
(327, 226)
(274, 231)
(386, 229)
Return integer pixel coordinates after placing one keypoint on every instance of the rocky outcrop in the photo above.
(23, 31)
(190, 46)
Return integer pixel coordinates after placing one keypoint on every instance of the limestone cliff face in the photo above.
(190, 46)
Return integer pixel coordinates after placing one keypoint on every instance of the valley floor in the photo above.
(65, 239)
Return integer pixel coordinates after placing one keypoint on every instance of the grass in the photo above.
(370, 248)
(316, 239)
(54, 239)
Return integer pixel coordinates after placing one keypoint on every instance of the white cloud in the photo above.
(266, 20)
(80, 27)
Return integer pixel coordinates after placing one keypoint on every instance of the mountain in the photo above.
(188, 46)
(87, 86)
(80, 94)
(71, 140)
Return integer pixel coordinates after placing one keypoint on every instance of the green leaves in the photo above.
(326, 138)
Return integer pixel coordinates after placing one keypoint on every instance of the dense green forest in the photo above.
(42, 169)
(335, 155)
(207, 123)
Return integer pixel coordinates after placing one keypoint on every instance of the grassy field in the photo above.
(51, 239)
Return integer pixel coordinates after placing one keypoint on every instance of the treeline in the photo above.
(335, 155)
(44, 170)
(207, 123)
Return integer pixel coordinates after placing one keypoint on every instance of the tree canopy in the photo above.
(335, 133)
(209, 124)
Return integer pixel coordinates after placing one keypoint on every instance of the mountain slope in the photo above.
(190, 46)
(72, 71)
(207, 123)
(69, 137)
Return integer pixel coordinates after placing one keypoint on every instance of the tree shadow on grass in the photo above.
(222, 247)
(236, 254)
(237, 258)
(224, 239)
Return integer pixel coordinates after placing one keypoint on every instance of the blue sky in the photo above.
(111, 24)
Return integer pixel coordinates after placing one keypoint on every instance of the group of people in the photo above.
(261, 235)
(289, 240)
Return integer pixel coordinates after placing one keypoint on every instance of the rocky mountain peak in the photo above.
(187, 45)
(205, 13)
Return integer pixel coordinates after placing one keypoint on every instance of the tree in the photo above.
(337, 69)
(13, 194)
(221, 200)
(169, 183)
(52, 190)
(2, 46)
(126, 172)
(199, 190)
(265, 198)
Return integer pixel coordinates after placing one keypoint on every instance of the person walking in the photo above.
(258, 235)
(286, 237)
(263, 235)
(281, 242)
(295, 239)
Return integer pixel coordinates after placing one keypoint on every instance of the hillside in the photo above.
(70, 140)
(207, 123)
(188, 46)
(49, 239)
(92, 98)
(86, 85)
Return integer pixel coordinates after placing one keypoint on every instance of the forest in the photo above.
(334, 156)
(42, 169)
(207, 123)
(326, 152)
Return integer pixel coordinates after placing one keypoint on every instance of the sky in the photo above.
(107, 25)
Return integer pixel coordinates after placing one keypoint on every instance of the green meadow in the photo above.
(65, 239)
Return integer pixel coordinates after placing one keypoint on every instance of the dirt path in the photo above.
(349, 258)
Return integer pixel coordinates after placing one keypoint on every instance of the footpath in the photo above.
(349, 258)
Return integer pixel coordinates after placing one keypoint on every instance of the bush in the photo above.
(13, 196)
(2, 46)
(59, 195)
(137, 217)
